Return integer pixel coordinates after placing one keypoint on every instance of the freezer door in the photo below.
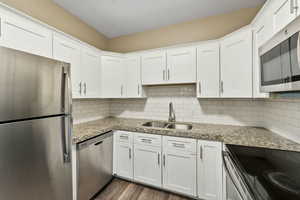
(31, 86)
(33, 160)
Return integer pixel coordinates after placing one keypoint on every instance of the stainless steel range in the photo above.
(35, 127)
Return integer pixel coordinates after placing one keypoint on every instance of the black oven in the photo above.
(262, 174)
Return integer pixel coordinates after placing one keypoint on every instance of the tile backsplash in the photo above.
(279, 115)
(88, 110)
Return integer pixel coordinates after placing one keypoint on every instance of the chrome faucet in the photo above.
(172, 117)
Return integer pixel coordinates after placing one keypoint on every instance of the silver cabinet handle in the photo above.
(201, 152)
(199, 89)
(164, 160)
(84, 88)
(149, 141)
(177, 145)
(138, 90)
(121, 90)
(129, 153)
(164, 74)
(168, 74)
(124, 137)
(80, 87)
(158, 158)
(222, 87)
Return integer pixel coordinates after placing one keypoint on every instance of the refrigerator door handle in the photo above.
(68, 92)
(66, 138)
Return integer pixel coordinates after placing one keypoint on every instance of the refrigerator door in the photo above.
(34, 162)
(31, 86)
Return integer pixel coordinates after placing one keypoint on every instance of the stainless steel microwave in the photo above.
(280, 61)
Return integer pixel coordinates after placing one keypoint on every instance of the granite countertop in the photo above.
(238, 135)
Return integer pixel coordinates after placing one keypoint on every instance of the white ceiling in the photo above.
(114, 18)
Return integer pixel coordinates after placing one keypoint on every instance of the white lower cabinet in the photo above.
(123, 154)
(147, 159)
(179, 165)
(209, 170)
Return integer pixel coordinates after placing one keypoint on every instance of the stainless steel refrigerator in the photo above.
(35, 127)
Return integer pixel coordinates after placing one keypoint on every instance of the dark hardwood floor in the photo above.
(122, 190)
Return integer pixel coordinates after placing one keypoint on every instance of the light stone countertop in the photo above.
(238, 135)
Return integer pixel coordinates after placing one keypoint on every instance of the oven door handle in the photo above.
(227, 156)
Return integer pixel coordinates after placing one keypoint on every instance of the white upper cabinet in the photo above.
(132, 66)
(236, 64)
(284, 11)
(113, 80)
(181, 65)
(208, 70)
(67, 50)
(256, 67)
(22, 34)
(263, 26)
(179, 165)
(154, 68)
(175, 66)
(209, 170)
(91, 73)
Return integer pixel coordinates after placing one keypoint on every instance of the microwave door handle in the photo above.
(225, 156)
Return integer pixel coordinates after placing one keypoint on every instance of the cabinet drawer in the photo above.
(179, 144)
(124, 136)
(147, 139)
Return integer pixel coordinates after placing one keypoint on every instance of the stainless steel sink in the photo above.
(180, 126)
(158, 124)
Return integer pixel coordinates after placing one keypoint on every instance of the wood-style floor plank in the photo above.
(122, 190)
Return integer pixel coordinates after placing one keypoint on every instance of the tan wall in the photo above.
(197, 30)
(50, 13)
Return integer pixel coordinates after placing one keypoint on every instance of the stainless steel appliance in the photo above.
(35, 127)
(263, 174)
(280, 61)
(95, 164)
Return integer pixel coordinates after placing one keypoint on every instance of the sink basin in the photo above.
(156, 124)
(180, 126)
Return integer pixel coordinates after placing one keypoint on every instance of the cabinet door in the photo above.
(91, 71)
(24, 35)
(236, 64)
(69, 51)
(284, 11)
(133, 77)
(181, 64)
(154, 68)
(209, 170)
(112, 77)
(179, 172)
(123, 161)
(257, 37)
(208, 69)
(147, 165)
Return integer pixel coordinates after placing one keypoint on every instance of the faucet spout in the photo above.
(172, 117)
